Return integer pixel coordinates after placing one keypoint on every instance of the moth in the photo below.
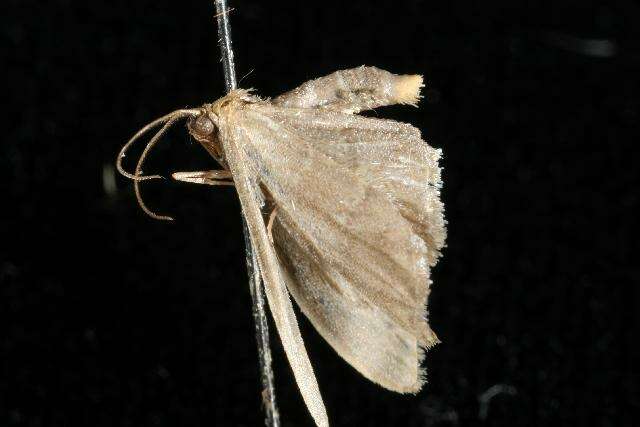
(343, 211)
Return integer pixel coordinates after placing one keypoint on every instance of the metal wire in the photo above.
(268, 395)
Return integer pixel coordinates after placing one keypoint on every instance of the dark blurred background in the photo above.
(109, 318)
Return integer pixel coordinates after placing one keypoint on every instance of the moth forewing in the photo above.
(247, 185)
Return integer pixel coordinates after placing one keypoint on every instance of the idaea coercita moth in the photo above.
(353, 221)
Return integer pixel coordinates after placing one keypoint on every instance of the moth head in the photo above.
(203, 127)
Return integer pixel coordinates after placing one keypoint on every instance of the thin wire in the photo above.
(272, 417)
(224, 40)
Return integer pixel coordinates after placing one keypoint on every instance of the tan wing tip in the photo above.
(430, 339)
(407, 89)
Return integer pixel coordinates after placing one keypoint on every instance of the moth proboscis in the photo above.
(355, 220)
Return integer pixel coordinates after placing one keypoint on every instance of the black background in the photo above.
(108, 317)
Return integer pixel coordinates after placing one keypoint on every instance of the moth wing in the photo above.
(354, 90)
(386, 155)
(246, 183)
(356, 261)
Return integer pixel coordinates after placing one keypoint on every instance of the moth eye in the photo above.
(203, 125)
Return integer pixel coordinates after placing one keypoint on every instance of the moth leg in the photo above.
(354, 90)
(213, 177)
(272, 216)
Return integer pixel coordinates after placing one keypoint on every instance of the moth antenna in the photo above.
(169, 120)
(173, 115)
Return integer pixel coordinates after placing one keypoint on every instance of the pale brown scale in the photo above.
(272, 216)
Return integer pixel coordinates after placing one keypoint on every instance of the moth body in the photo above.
(353, 222)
